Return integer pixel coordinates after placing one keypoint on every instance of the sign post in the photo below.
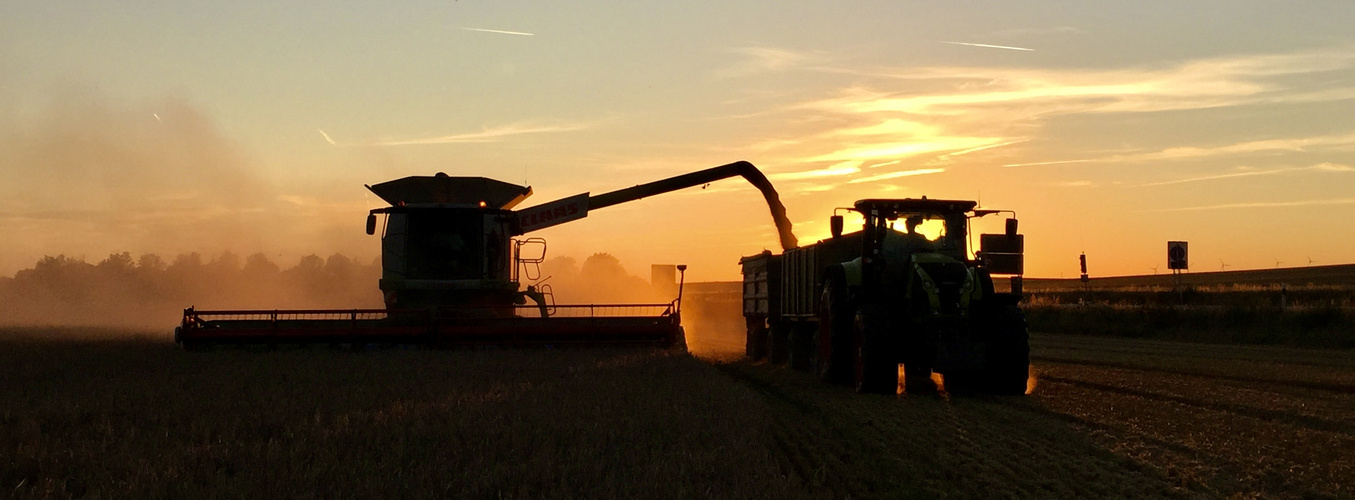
(1177, 260)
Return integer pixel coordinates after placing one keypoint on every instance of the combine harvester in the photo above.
(452, 274)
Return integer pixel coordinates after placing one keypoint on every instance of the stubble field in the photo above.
(136, 417)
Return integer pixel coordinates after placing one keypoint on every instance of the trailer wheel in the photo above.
(801, 347)
(1008, 356)
(832, 339)
(877, 370)
(755, 346)
(778, 343)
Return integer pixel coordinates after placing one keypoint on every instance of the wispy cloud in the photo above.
(492, 134)
(1043, 92)
(981, 148)
(1323, 167)
(1262, 204)
(903, 148)
(987, 46)
(922, 119)
(896, 175)
(1057, 30)
(762, 59)
(501, 32)
(1083, 183)
(837, 170)
(1294, 144)
(326, 136)
(1058, 162)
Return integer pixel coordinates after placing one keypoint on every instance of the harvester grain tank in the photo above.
(458, 269)
(853, 307)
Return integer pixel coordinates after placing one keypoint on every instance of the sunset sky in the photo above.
(1110, 127)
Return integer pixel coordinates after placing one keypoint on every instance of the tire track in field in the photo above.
(1132, 351)
(798, 439)
(1278, 416)
(1321, 386)
(1232, 449)
(939, 447)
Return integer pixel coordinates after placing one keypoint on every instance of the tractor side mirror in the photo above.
(1011, 227)
(835, 225)
(371, 224)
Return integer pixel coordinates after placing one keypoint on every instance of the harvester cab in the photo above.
(447, 242)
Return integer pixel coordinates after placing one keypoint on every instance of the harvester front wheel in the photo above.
(877, 370)
(680, 340)
(832, 339)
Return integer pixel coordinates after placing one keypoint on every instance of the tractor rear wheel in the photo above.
(918, 381)
(832, 355)
(877, 369)
(1007, 364)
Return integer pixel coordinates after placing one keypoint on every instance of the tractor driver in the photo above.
(914, 241)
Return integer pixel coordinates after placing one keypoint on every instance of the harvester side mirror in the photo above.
(835, 225)
(371, 223)
(1011, 227)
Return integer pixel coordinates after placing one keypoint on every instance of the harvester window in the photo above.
(445, 247)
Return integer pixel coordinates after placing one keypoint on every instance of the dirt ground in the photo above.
(109, 415)
(1105, 418)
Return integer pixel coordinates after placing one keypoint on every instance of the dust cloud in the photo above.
(712, 312)
(187, 217)
(88, 176)
(600, 279)
(151, 292)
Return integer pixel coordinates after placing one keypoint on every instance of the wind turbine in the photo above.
(1154, 270)
(1277, 262)
(1310, 260)
(1222, 265)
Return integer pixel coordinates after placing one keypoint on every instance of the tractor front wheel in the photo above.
(1008, 355)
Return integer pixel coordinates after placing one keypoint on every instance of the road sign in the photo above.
(1177, 255)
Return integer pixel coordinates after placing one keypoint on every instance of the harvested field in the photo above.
(137, 417)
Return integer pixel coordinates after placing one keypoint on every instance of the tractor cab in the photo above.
(932, 234)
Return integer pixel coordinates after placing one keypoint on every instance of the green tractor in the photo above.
(855, 307)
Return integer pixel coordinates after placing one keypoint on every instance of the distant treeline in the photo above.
(149, 291)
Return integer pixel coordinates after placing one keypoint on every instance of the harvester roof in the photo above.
(443, 189)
